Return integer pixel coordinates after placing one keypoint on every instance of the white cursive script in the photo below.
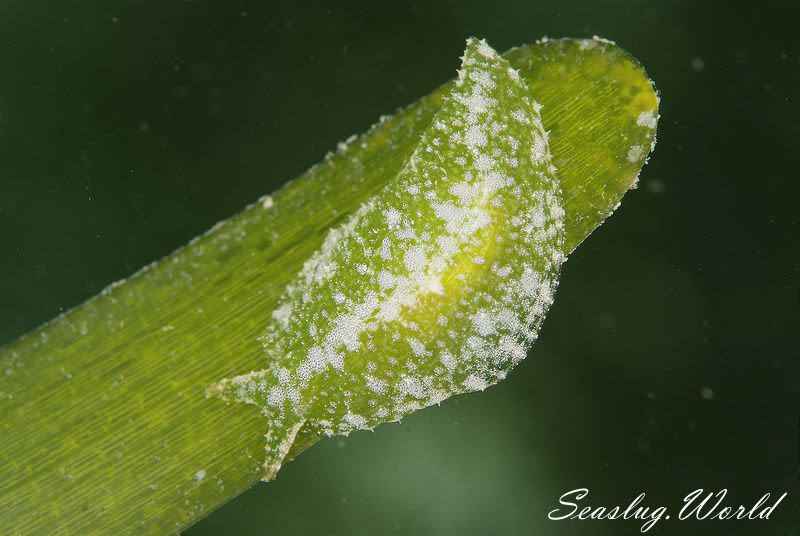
(634, 510)
(699, 504)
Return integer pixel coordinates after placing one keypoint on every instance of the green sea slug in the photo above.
(435, 286)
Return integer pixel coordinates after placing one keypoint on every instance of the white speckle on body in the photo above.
(392, 216)
(282, 313)
(647, 119)
(356, 421)
(386, 280)
(475, 383)
(415, 259)
(375, 385)
(634, 153)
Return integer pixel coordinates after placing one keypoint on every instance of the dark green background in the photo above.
(127, 128)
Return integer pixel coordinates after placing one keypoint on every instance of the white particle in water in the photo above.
(656, 186)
